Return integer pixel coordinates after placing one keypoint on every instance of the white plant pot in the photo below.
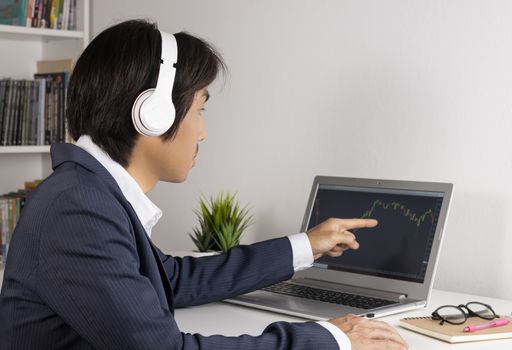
(193, 253)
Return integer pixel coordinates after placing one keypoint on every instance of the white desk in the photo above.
(232, 320)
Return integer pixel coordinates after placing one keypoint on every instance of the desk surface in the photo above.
(232, 320)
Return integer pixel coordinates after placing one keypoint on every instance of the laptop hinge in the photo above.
(340, 287)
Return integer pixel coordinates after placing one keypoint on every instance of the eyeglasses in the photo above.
(459, 314)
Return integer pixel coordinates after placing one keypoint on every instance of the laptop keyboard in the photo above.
(328, 296)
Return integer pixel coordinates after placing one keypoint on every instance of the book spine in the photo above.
(30, 107)
(47, 13)
(65, 15)
(9, 111)
(14, 113)
(55, 99)
(13, 125)
(3, 229)
(19, 114)
(40, 113)
(26, 113)
(59, 20)
(62, 110)
(3, 94)
(40, 13)
(35, 14)
(54, 15)
(5, 111)
(9, 225)
(72, 15)
(22, 13)
(47, 119)
(35, 108)
(30, 13)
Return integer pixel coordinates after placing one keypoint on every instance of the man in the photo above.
(82, 271)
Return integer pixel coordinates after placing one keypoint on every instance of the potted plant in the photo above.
(221, 223)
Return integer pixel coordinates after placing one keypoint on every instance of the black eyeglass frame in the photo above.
(466, 311)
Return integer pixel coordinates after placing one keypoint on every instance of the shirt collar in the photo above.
(147, 212)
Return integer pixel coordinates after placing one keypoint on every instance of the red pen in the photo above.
(478, 327)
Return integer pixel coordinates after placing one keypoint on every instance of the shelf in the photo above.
(24, 149)
(40, 32)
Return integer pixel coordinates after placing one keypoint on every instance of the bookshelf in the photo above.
(21, 48)
(24, 149)
(41, 32)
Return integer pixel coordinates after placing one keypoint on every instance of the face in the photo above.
(178, 155)
(172, 160)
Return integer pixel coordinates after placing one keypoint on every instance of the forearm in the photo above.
(279, 336)
(243, 269)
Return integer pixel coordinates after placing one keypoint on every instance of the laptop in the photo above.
(393, 269)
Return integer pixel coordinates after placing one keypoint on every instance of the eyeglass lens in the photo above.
(451, 314)
(481, 310)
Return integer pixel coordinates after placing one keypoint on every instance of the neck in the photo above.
(140, 169)
(145, 182)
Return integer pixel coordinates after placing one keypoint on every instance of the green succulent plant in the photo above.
(221, 223)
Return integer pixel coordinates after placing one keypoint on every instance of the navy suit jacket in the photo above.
(82, 274)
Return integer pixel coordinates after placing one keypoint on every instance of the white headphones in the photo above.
(153, 112)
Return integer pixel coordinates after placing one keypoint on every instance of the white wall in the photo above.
(413, 90)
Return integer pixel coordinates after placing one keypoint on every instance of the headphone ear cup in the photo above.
(136, 111)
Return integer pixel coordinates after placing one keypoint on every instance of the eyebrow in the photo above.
(206, 94)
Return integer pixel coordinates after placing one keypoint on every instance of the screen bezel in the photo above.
(414, 290)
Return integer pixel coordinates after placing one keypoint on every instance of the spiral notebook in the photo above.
(454, 333)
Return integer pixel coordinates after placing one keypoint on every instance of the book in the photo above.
(4, 225)
(56, 98)
(455, 333)
(55, 66)
(32, 111)
(13, 126)
(29, 13)
(72, 15)
(11, 206)
(8, 111)
(10, 12)
(41, 84)
(3, 103)
(55, 14)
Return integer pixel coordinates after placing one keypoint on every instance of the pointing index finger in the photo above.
(349, 224)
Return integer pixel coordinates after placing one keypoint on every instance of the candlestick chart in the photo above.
(417, 219)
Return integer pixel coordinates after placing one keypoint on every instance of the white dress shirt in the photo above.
(149, 214)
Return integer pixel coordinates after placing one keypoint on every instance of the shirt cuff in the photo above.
(341, 338)
(301, 251)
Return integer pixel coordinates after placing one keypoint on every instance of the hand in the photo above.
(367, 334)
(332, 237)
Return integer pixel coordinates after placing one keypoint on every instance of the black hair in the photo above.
(120, 63)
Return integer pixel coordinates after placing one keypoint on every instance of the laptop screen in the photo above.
(399, 247)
